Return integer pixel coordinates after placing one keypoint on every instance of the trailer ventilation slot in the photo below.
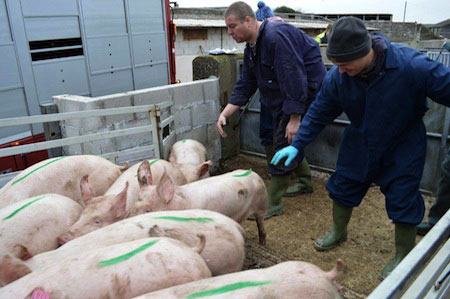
(55, 48)
(55, 43)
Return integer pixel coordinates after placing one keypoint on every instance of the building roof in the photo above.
(202, 23)
(440, 24)
(216, 23)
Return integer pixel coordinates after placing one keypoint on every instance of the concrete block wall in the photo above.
(396, 31)
(224, 67)
(195, 109)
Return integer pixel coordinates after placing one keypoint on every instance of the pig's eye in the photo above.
(97, 221)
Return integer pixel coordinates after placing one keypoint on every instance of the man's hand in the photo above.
(292, 127)
(222, 121)
(289, 151)
(229, 110)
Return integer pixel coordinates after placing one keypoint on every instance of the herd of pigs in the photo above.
(83, 227)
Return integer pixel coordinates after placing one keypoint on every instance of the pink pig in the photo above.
(235, 194)
(123, 270)
(179, 176)
(121, 200)
(286, 280)
(61, 176)
(187, 151)
(189, 156)
(222, 234)
(31, 226)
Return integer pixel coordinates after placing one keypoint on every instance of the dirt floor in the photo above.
(291, 236)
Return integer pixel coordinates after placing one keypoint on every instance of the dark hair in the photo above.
(240, 10)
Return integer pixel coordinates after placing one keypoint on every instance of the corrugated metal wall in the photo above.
(81, 47)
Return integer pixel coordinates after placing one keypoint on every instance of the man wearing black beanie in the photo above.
(382, 88)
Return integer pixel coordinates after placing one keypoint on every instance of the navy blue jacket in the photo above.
(384, 114)
(286, 65)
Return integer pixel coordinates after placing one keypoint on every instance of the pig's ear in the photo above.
(86, 191)
(203, 168)
(39, 293)
(120, 203)
(21, 252)
(144, 174)
(166, 188)
(11, 269)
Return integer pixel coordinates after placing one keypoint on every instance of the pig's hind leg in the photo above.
(261, 230)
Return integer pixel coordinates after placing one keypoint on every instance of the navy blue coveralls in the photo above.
(385, 142)
(288, 70)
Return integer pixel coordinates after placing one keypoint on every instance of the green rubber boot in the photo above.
(405, 240)
(277, 187)
(338, 234)
(423, 228)
(302, 180)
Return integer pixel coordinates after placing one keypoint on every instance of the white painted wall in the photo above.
(184, 67)
(217, 38)
(186, 51)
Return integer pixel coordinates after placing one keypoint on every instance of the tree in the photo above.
(285, 9)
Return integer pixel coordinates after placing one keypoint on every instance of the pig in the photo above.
(31, 226)
(112, 207)
(61, 176)
(222, 234)
(236, 194)
(179, 177)
(189, 156)
(292, 279)
(98, 211)
(123, 270)
(187, 151)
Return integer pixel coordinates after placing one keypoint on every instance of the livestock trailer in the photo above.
(81, 47)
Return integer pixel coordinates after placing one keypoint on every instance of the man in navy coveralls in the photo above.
(382, 88)
(286, 65)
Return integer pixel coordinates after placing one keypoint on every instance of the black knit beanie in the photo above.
(348, 40)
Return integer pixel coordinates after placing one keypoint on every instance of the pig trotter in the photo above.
(261, 231)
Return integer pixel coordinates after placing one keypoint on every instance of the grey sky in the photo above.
(421, 11)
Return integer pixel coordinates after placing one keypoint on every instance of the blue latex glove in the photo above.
(290, 152)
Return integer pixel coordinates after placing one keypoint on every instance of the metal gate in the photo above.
(161, 130)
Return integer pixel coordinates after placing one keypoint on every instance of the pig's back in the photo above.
(120, 271)
(286, 280)
(188, 151)
(239, 190)
(35, 223)
(221, 233)
(62, 176)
